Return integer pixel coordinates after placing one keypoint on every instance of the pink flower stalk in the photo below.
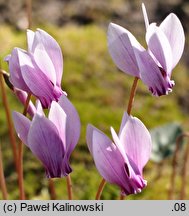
(22, 96)
(51, 139)
(154, 65)
(39, 70)
(121, 162)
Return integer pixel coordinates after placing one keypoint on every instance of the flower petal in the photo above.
(119, 145)
(15, 72)
(172, 28)
(53, 50)
(156, 79)
(107, 157)
(44, 62)
(39, 108)
(73, 124)
(30, 38)
(59, 118)
(145, 16)
(136, 140)
(45, 142)
(122, 46)
(22, 126)
(37, 81)
(89, 137)
(159, 45)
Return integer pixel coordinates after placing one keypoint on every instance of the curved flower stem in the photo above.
(122, 197)
(26, 104)
(174, 164)
(20, 156)
(69, 187)
(9, 121)
(184, 173)
(100, 189)
(132, 95)
(29, 12)
(52, 189)
(2, 178)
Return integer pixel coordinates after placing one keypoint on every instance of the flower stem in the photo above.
(52, 189)
(9, 121)
(184, 173)
(2, 178)
(20, 156)
(29, 12)
(69, 187)
(132, 95)
(174, 165)
(100, 189)
(122, 197)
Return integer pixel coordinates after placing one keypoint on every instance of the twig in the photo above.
(29, 12)
(69, 187)
(20, 156)
(52, 189)
(100, 189)
(2, 178)
(174, 165)
(132, 95)
(9, 121)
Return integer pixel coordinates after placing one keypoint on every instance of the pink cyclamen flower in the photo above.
(121, 162)
(51, 139)
(154, 65)
(38, 70)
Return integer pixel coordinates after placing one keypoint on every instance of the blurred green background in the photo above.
(99, 91)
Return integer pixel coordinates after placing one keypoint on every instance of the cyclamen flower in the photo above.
(121, 162)
(51, 139)
(154, 65)
(39, 70)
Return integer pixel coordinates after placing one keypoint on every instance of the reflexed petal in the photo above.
(7, 58)
(107, 157)
(39, 108)
(15, 72)
(160, 47)
(22, 126)
(52, 49)
(145, 16)
(38, 83)
(73, 124)
(89, 137)
(131, 167)
(30, 38)
(122, 46)
(152, 76)
(136, 140)
(172, 28)
(119, 145)
(44, 62)
(45, 143)
(124, 120)
(59, 118)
